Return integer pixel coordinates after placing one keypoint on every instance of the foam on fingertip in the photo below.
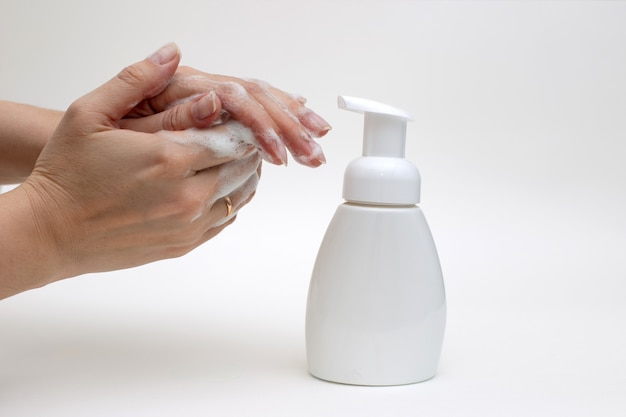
(272, 142)
(314, 158)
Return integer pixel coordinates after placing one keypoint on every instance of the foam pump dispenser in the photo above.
(376, 307)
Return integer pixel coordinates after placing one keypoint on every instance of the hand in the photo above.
(105, 198)
(277, 119)
(25, 130)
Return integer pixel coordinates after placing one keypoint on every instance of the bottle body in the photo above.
(376, 308)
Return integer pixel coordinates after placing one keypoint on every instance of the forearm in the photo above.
(24, 131)
(26, 261)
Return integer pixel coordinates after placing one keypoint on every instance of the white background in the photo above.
(520, 137)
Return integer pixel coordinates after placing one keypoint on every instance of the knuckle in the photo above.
(132, 75)
(170, 161)
(78, 117)
(233, 88)
(75, 109)
(254, 87)
(173, 119)
(257, 85)
(162, 162)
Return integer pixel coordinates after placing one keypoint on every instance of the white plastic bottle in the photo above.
(376, 307)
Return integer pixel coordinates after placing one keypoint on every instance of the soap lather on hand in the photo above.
(277, 120)
(140, 169)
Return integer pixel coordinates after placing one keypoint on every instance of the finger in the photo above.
(277, 119)
(296, 137)
(186, 82)
(297, 125)
(227, 207)
(218, 182)
(295, 104)
(235, 100)
(214, 231)
(233, 175)
(133, 84)
(259, 169)
(214, 146)
(243, 195)
(227, 196)
(198, 111)
(206, 236)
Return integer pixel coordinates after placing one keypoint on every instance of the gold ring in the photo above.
(229, 205)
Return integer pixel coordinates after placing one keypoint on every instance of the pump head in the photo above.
(382, 175)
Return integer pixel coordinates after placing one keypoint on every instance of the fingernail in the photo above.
(204, 106)
(164, 55)
(324, 130)
(272, 149)
(282, 155)
(321, 158)
(299, 98)
(283, 158)
(318, 126)
(316, 156)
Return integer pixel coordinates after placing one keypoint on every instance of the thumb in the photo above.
(133, 84)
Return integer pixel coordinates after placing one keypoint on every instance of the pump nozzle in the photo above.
(384, 129)
(382, 175)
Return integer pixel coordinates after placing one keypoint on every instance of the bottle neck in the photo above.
(383, 136)
(381, 180)
(379, 205)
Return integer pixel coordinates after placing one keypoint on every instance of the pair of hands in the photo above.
(112, 189)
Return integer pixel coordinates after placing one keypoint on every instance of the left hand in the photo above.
(278, 120)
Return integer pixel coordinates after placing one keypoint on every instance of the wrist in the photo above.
(25, 132)
(30, 257)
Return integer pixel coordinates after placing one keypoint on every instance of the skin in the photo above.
(189, 99)
(277, 119)
(102, 191)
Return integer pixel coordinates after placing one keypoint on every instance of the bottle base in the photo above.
(373, 382)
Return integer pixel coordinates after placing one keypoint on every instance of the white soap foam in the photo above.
(316, 155)
(229, 139)
(235, 173)
(237, 179)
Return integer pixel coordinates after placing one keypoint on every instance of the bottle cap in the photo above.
(382, 175)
